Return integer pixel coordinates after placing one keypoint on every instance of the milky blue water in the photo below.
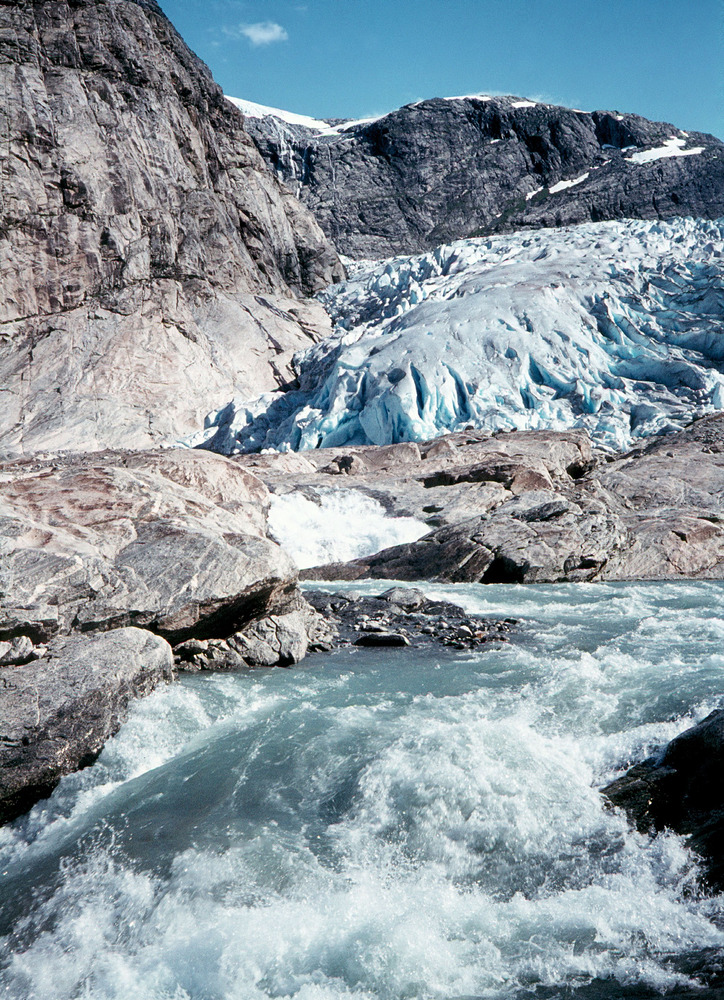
(381, 824)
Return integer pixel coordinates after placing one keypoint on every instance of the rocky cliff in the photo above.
(442, 170)
(149, 262)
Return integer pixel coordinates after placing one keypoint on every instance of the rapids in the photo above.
(382, 824)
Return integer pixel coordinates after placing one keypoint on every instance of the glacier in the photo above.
(615, 327)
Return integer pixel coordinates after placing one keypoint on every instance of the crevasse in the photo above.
(614, 327)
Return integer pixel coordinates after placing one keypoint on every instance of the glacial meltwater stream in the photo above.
(383, 824)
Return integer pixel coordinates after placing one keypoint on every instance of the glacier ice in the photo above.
(336, 525)
(615, 327)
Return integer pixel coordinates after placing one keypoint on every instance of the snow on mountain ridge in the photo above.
(615, 327)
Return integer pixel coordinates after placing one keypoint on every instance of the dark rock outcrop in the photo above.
(403, 616)
(58, 711)
(151, 266)
(533, 507)
(681, 788)
(442, 170)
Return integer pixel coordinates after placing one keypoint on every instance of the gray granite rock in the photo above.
(58, 711)
(442, 170)
(151, 266)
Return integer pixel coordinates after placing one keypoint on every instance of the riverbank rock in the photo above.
(681, 788)
(58, 711)
(173, 541)
(151, 266)
(403, 616)
(276, 640)
(533, 507)
(93, 545)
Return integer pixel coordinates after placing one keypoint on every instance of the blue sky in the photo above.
(353, 58)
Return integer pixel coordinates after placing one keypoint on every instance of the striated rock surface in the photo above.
(446, 169)
(58, 711)
(106, 561)
(534, 507)
(173, 541)
(150, 265)
(681, 788)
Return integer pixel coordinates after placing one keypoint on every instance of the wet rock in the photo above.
(382, 639)
(58, 711)
(372, 621)
(681, 788)
(408, 598)
(272, 641)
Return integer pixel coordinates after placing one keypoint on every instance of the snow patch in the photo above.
(671, 147)
(336, 526)
(524, 104)
(253, 110)
(562, 185)
(467, 97)
(532, 194)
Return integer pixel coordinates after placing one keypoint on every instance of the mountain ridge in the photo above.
(450, 168)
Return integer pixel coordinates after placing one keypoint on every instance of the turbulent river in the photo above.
(382, 824)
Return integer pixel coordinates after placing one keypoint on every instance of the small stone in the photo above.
(404, 597)
(20, 650)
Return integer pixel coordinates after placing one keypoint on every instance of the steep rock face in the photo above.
(447, 169)
(149, 261)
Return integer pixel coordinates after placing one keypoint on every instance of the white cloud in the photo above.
(263, 33)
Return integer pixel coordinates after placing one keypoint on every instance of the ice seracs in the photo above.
(615, 327)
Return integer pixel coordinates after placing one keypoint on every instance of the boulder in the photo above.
(681, 788)
(58, 711)
(541, 507)
(173, 541)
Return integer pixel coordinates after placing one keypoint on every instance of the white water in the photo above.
(336, 526)
(381, 824)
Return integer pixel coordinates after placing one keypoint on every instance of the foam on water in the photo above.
(381, 824)
(333, 525)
